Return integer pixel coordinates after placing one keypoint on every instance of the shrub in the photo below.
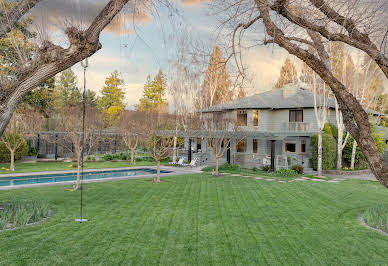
(265, 168)
(20, 213)
(255, 169)
(5, 155)
(284, 172)
(223, 167)
(377, 217)
(329, 151)
(298, 168)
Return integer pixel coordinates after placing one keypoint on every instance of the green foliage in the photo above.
(153, 94)
(298, 168)
(284, 172)
(20, 213)
(331, 129)
(329, 151)
(377, 217)
(266, 168)
(5, 154)
(42, 98)
(378, 137)
(66, 92)
(111, 101)
(223, 167)
(32, 151)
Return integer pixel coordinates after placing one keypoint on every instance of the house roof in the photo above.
(290, 96)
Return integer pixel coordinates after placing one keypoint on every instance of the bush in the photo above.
(284, 172)
(20, 213)
(298, 168)
(5, 155)
(255, 169)
(329, 151)
(223, 167)
(265, 168)
(116, 156)
(377, 217)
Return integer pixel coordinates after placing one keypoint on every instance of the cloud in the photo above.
(60, 14)
(193, 3)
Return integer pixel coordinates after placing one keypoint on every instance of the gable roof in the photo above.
(289, 97)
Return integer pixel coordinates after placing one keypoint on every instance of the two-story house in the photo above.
(276, 125)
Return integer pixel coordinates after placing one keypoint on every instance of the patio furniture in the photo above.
(180, 162)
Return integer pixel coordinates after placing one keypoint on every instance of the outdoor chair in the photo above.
(193, 163)
(180, 162)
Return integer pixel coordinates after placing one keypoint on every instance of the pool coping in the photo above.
(173, 171)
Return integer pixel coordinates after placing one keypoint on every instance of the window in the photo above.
(290, 147)
(303, 146)
(255, 118)
(241, 146)
(255, 145)
(296, 116)
(242, 118)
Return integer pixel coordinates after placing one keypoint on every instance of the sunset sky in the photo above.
(137, 54)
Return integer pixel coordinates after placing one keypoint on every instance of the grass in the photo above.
(201, 220)
(60, 166)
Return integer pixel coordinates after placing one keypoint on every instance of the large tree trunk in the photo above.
(12, 166)
(319, 167)
(157, 180)
(353, 154)
(52, 59)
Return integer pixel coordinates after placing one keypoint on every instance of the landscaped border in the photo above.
(362, 220)
(34, 223)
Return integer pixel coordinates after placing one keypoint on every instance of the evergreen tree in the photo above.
(216, 87)
(287, 74)
(154, 94)
(66, 92)
(42, 98)
(111, 101)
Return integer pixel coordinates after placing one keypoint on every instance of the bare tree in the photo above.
(298, 26)
(73, 137)
(48, 59)
(155, 142)
(131, 128)
(219, 130)
(23, 123)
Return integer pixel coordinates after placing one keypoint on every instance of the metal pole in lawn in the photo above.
(84, 64)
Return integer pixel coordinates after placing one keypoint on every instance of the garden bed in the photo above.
(14, 215)
(346, 172)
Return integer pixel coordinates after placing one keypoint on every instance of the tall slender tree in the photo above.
(288, 74)
(216, 87)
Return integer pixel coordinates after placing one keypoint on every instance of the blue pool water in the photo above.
(52, 178)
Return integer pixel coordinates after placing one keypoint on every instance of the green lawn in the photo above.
(60, 166)
(202, 220)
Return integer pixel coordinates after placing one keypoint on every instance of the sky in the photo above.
(143, 48)
(139, 43)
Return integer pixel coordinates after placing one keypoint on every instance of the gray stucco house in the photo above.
(277, 126)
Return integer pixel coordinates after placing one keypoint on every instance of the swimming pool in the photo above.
(68, 177)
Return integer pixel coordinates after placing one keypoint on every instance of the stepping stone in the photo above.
(236, 175)
(281, 181)
(246, 176)
(315, 179)
(299, 179)
(259, 178)
(334, 181)
(305, 178)
(269, 179)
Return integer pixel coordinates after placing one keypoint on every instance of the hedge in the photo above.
(5, 155)
(329, 151)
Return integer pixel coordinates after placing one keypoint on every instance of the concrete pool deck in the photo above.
(172, 171)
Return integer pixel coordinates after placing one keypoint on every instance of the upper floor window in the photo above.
(296, 116)
(255, 118)
(242, 118)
